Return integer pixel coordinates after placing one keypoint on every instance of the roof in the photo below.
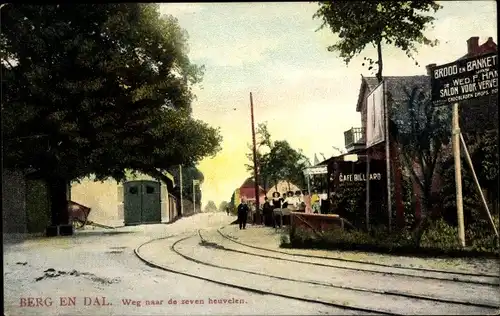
(487, 47)
(281, 187)
(249, 183)
(334, 158)
(396, 86)
(361, 158)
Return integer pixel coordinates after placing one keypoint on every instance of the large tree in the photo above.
(97, 90)
(361, 23)
(423, 131)
(277, 160)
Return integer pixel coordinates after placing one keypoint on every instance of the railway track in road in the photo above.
(176, 270)
(488, 305)
(359, 265)
(233, 239)
(199, 252)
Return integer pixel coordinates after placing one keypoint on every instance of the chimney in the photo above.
(472, 45)
(428, 67)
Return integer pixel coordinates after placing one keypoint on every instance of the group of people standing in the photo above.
(296, 201)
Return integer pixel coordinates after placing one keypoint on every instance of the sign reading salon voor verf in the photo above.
(465, 79)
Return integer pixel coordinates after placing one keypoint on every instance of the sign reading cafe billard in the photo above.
(465, 79)
(358, 177)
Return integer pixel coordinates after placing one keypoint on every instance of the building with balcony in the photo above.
(476, 115)
(354, 139)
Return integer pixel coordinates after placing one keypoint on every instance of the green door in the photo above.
(132, 202)
(151, 204)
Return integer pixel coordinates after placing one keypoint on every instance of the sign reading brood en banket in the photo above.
(465, 79)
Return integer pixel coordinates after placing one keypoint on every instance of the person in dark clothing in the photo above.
(276, 204)
(325, 206)
(243, 214)
(227, 210)
(267, 212)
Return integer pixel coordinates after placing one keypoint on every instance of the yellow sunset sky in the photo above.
(306, 94)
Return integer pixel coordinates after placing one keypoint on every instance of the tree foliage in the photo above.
(110, 87)
(98, 90)
(223, 206)
(422, 131)
(279, 161)
(484, 156)
(210, 207)
(189, 173)
(361, 23)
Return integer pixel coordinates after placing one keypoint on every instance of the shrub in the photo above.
(285, 237)
(480, 235)
(440, 235)
(440, 238)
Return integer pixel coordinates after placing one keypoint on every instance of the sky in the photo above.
(306, 94)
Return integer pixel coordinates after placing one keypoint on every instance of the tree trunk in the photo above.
(426, 218)
(416, 195)
(58, 189)
(398, 188)
(380, 64)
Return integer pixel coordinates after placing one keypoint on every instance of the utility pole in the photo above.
(367, 209)
(455, 130)
(195, 182)
(387, 157)
(180, 184)
(255, 169)
(194, 198)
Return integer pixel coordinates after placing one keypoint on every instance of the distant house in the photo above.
(247, 191)
(107, 199)
(282, 187)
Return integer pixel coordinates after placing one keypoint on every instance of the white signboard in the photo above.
(375, 118)
(316, 170)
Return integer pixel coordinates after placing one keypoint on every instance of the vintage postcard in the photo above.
(250, 158)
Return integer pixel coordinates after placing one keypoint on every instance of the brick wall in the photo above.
(14, 202)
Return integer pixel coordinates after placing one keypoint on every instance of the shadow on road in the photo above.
(11, 239)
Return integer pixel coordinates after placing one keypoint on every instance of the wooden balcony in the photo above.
(354, 139)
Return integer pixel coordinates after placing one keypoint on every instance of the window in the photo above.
(133, 190)
(150, 189)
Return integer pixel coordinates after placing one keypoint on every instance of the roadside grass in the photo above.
(440, 240)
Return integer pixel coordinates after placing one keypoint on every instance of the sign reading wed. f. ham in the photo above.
(465, 79)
